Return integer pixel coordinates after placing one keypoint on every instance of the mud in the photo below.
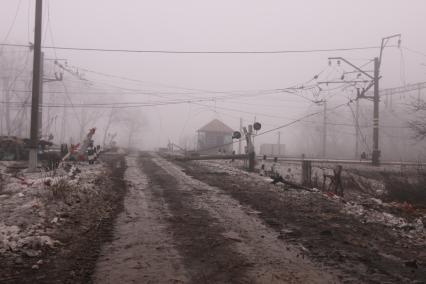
(161, 221)
(362, 252)
(142, 249)
(221, 241)
(208, 256)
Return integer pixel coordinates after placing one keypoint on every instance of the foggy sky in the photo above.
(224, 25)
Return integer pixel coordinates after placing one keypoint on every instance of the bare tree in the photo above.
(133, 123)
(88, 119)
(111, 118)
(418, 124)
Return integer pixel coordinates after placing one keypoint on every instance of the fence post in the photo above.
(306, 173)
(252, 160)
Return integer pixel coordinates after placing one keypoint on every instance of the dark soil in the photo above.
(369, 253)
(88, 226)
(209, 257)
(399, 189)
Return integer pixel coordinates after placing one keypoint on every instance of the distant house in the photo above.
(215, 137)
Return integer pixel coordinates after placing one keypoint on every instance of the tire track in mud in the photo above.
(216, 233)
(208, 256)
(142, 250)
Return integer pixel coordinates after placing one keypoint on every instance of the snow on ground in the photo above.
(32, 205)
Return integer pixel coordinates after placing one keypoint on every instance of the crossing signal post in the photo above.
(250, 151)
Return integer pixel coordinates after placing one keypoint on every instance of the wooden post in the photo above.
(306, 173)
(338, 186)
(252, 160)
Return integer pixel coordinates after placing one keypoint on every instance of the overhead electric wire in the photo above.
(158, 94)
(229, 94)
(299, 119)
(280, 126)
(62, 82)
(13, 23)
(306, 86)
(164, 51)
(241, 93)
(414, 51)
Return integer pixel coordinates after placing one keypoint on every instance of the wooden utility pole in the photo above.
(376, 100)
(36, 86)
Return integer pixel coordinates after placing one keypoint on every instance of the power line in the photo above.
(13, 23)
(235, 93)
(231, 94)
(299, 119)
(303, 86)
(197, 51)
(414, 51)
(279, 127)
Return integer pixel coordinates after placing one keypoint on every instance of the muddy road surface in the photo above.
(201, 222)
(360, 251)
(177, 229)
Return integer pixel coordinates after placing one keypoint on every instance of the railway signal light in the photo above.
(257, 126)
(236, 135)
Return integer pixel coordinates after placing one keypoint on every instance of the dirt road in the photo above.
(176, 229)
(142, 249)
(361, 249)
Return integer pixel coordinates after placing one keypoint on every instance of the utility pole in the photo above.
(279, 143)
(376, 98)
(376, 101)
(357, 127)
(362, 95)
(36, 87)
(375, 157)
(324, 130)
(239, 141)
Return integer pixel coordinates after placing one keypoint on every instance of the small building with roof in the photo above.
(215, 137)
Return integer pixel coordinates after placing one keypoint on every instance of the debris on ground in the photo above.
(48, 215)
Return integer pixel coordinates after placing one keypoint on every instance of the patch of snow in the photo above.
(374, 216)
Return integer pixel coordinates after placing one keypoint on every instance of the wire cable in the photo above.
(197, 51)
(12, 25)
